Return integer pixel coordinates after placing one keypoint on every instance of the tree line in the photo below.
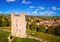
(41, 28)
(5, 20)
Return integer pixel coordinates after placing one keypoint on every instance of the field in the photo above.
(44, 36)
(4, 38)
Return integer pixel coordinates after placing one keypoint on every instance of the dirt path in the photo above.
(41, 40)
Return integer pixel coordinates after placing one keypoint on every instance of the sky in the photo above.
(31, 7)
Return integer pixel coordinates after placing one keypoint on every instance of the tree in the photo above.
(27, 26)
(57, 30)
(42, 28)
(51, 30)
(1, 22)
(37, 29)
(33, 25)
(5, 22)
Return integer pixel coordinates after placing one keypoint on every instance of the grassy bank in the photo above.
(4, 38)
(24, 40)
(44, 36)
(6, 28)
(48, 37)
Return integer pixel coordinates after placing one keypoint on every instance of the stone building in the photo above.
(18, 25)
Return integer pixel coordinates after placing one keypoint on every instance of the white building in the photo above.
(18, 25)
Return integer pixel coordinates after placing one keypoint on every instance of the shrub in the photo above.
(42, 28)
(51, 30)
(57, 30)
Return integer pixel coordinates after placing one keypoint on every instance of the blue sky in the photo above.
(31, 7)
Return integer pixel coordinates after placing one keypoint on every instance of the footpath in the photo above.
(33, 37)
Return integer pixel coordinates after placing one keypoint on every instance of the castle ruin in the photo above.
(18, 25)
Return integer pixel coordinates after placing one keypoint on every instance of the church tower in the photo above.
(18, 25)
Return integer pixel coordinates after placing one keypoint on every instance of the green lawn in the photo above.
(4, 38)
(6, 28)
(44, 36)
(24, 40)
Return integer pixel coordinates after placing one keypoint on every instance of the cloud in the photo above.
(28, 13)
(0, 11)
(47, 13)
(10, 0)
(58, 8)
(41, 8)
(25, 2)
(32, 13)
(54, 8)
(32, 7)
(36, 11)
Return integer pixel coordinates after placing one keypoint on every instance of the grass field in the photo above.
(4, 38)
(6, 28)
(24, 40)
(44, 36)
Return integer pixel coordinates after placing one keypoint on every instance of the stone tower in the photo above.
(18, 25)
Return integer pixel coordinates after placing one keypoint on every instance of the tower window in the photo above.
(16, 25)
(19, 31)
